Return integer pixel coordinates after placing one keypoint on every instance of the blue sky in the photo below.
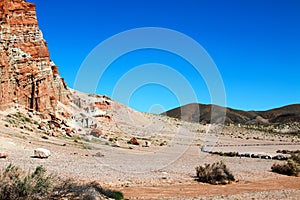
(254, 43)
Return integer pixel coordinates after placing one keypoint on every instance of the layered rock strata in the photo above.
(27, 75)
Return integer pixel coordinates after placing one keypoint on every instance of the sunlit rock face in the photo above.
(27, 75)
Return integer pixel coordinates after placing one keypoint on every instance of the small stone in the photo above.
(45, 137)
(98, 154)
(55, 134)
(116, 144)
(69, 132)
(147, 144)
(3, 155)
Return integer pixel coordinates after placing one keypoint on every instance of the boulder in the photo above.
(41, 153)
(96, 132)
(133, 141)
(3, 154)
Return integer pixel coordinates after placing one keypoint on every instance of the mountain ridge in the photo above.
(196, 112)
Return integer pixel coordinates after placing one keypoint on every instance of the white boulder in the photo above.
(41, 153)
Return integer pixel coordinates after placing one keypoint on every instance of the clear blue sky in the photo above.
(254, 43)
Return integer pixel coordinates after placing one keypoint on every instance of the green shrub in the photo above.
(15, 184)
(296, 157)
(290, 168)
(216, 173)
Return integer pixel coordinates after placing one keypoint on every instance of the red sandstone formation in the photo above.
(103, 105)
(27, 75)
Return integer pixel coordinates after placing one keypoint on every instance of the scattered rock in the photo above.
(45, 137)
(69, 132)
(55, 134)
(116, 144)
(96, 132)
(41, 153)
(133, 141)
(106, 136)
(98, 154)
(103, 105)
(4, 155)
(147, 144)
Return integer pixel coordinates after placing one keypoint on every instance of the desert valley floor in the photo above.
(166, 169)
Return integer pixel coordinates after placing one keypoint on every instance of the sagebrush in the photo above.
(216, 173)
(289, 168)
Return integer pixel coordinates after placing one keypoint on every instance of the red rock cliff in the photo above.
(27, 75)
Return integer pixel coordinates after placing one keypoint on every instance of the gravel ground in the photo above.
(129, 167)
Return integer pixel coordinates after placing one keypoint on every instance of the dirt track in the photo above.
(195, 190)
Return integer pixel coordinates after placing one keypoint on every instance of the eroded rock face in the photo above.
(27, 75)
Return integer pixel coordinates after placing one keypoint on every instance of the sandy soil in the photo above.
(274, 188)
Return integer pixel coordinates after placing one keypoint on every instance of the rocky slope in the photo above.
(27, 75)
(33, 96)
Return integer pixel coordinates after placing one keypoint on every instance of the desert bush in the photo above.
(216, 173)
(296, 157)
(231, 154)
(283, 151)
(290, 168)
(227, 154)
(16, 184)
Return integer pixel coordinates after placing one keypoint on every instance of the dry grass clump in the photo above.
(16, 184)
(216, 173)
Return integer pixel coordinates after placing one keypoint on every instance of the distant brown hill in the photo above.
(202, 113)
